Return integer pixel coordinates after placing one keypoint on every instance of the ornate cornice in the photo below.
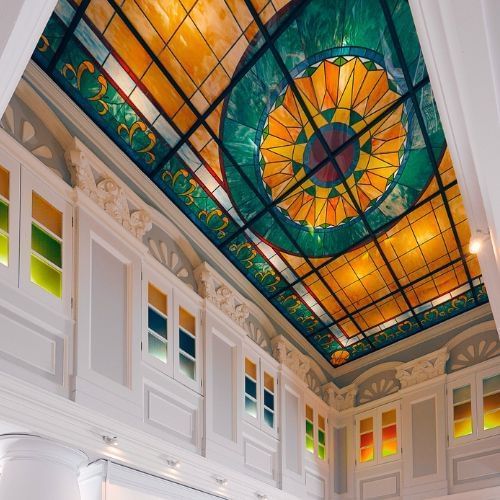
(287, 354)
(424, 368)
(107, 191)
(212, 288)
(340, 399)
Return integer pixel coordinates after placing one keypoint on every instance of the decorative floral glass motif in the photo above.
(301, 137)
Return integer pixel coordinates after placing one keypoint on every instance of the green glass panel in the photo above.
(309, 444)
(157, 348)
(309, 428)
(321, 452)
(321, 437)
(45, 245)
(187, 366)
(4, 216)
(4, 250)
(46, 277)
(251, 407)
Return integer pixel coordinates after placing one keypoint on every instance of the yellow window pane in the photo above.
(268, 382)
(46, 214)
(321, 422)
(491, 402)
(250, 368)
(187, 321)
(366, 454)
(388, 417)
(4, 182)
(462, 428)
(309, 413)
(492, 420)
(46, 276)
(4, 250)
(157, 299)
(389, 448)
(366, 425)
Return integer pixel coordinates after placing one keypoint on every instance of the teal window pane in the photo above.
(250, 387)
(321, 437)
(269, 417)
(4, 250)
(491, 384)
(309, 428)
(251, 407)
(268, 400)
(45, 245)
(46, 277)
(4, 216)
(187, 343)
(157, 323)
(187, 366)
(157, 348)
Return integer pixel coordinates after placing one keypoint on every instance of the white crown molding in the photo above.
(421, 369)
(340, 399)
(86, 128)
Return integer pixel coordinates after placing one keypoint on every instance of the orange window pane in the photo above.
(157, 299)
(187, 321)
(389, 432)
(366, 425)
(250, 368)
(462, 411)
(309, 413)
(389, 448)
(321, 422)
(366, 439)
(269, 382)
(166, 17)
(366, 454)
(4, 182)
(46, 214)
(462, 428)
(388, 417)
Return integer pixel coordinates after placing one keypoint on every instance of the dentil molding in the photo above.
(107, 191)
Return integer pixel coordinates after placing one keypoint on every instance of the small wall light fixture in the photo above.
(172, 463)
(110, 440)
(221, 481)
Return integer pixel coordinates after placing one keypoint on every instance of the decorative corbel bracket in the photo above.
(424, 368)
(287, 354)
(340, 399)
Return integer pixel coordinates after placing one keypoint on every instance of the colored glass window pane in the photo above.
(4, 237)
(491, 402)
(46, 245)
(269, 417)
(389, 433)
(187, 321)
(309, 429)
(4, 216)
(462, 411)
(187, 343)
(250, 368)
(157, 299)
(4, 250)
(251, 406)
(4, 183)
(250, 387)
(157, 347)
(366, 440)
(46, 276)
(187, 366)
(157, 323)
(47, 215)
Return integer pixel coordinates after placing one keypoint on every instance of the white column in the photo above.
(37, 468)
(21, 24)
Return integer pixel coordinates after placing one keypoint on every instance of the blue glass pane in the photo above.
(157, 323)
(250, 387)
(187, 366)
(251, 407)
(269, 400)
(187, 343)
(269, 418)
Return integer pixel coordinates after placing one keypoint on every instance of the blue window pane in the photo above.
(269, 400)
(157, 348)
(187, 343)
(250, 387)
(251, 407)
(187, 366)
(269, 418)
(157, 323)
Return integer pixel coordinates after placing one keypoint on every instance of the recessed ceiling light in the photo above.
(110, 440)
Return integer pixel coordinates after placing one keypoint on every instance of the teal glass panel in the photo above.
(187, 343)
(157, 323)
(4, 216)
(4, 249)
(269, 417)
(45, 245)
(268, 400)
(157, 348)
(250, 387)
(46, 277)
(187, 366)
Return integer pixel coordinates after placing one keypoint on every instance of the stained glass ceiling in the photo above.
(301, 137)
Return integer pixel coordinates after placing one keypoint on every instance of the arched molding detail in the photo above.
(258, 335)
(377, 386)
(472, 346)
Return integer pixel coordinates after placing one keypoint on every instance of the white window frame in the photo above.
(30, 183)
(317, 411)
(376, 414)
(266, 367)
(456, 384)
(480, 376)
(10, 274)
(247, 353)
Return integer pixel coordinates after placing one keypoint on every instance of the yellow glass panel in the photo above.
(463, 428)
(46, 277)
(187, 321)
(366, 454)
(46, 214)
(366, 425)
(4, 182)
(491, 402)
(321, 422)
(309, 413)
(388, 417)
(250, 368)
(492, 420)
(157, 299)
(269, 382)
(4, 250)
(389, 448)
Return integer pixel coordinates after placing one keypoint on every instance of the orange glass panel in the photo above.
(366, 439)
(366, 425)
(269, 382)
(251, 368)
(157, 299)
(187, 321)
(462, 411)
(4, 182)
(309, 413)
(492, 420)
(388, 417)
(491, 402)
(389, 432)
(321, 422)
(46, 214)
(462, 428)
(389, 448)
(366, 454)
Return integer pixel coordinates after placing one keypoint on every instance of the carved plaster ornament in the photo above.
(287, 354)
(340, 399)
(107, 194)
(422, 369)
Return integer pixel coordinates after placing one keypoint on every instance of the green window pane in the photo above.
(187, 366)
(157, 348)
(46, 276)
(4, 250)
(309, 444)
(45, 245)
(309, 428)
(4, 216)
(251, 407)
(321, 452)
(321, 437)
